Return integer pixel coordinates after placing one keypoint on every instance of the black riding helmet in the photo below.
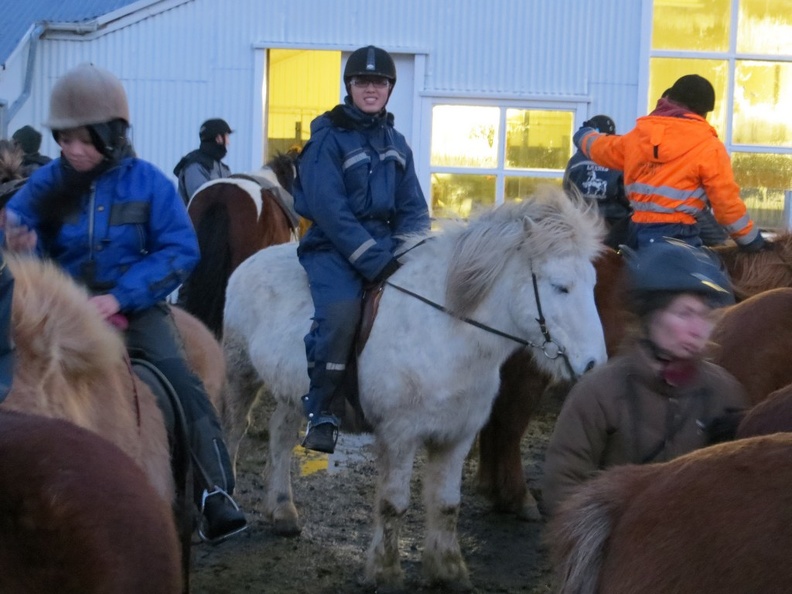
(668, 267)
(370, 61)
(602, 123)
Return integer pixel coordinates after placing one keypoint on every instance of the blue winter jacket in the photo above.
(132, 236)
(356, 182)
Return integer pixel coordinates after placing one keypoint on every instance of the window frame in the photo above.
(577, 107)
(731, 57)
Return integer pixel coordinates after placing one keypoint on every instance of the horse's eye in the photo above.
(561, 289)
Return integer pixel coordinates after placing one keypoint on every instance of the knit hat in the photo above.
(211, 128)
(694, 92)
(28, 139)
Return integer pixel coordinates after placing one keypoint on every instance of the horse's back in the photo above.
(77, 515)
(716, 520)
(771, 415)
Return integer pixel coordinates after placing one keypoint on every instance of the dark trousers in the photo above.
(153, 334)
(337, 290)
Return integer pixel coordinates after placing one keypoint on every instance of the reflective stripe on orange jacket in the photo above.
(673, 167)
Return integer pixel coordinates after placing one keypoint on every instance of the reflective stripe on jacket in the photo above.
(673, 167)
(356, 182)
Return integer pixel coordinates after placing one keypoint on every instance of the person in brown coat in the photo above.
(656, 399)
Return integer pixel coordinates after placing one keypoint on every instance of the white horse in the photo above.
(427, 377)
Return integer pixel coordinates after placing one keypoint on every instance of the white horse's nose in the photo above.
(590, 365)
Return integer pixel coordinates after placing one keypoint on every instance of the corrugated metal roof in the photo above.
(19, 16)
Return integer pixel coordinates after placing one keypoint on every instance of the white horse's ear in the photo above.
(528, 224)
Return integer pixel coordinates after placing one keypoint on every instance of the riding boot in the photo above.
(214, 477)
(7, 348)
(322, 431)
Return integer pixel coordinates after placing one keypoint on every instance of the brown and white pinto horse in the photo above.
(716, 520)
(760, 364)
(234, 218)
(78, 516)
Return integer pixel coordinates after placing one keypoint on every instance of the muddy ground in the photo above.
(334, 496)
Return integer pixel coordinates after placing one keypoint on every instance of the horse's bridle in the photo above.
(550, 348)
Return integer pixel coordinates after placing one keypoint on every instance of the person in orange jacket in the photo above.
(674, 167)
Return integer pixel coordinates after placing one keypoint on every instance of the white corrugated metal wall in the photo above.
(197, 60)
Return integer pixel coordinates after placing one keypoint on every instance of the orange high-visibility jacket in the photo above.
(673, 167)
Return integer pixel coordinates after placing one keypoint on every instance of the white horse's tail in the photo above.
(579, 532)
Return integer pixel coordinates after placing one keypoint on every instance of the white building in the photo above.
(488, 92)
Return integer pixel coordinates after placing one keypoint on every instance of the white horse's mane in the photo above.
(547, 225)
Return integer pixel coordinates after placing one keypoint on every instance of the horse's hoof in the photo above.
(286, 527)
(385, 579)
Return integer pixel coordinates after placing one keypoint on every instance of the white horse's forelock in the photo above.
(547, 225)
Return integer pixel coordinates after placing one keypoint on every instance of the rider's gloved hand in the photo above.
(582, 131)
(759, 244)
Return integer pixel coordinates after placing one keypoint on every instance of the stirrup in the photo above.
(203, 521)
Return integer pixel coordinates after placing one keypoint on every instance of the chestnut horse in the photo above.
(771, 415)
(78, 516)
(234, 218)
(716, 520)
(72, 365)
(500, 471)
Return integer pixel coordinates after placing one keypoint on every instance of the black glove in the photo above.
(759, 244)
(389, 269)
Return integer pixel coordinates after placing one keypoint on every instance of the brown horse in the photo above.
(78, 516)
(234, 218)
(754, 340)
(500, 471)
(72, 365)
(771, 415)
(716, 520)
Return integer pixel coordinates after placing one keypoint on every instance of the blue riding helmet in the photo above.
(671, 266)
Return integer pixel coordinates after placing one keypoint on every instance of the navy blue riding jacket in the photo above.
(356, 182)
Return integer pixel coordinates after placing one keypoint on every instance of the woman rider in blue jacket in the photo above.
(356, 183)
(115, 223)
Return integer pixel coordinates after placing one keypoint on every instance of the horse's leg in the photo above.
(442, 557)
(500, 472)
(284, 428)
(240, 394)
(395, 465)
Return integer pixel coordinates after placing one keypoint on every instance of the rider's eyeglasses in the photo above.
(362, 82)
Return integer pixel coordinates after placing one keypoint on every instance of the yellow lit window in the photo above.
(465, 136)
(482, 155)
(691, 25)
(459, 195)
(537, 139)
(763, 103)
(763, 179)
(764, 27)
(517, 187)
(302, 84)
